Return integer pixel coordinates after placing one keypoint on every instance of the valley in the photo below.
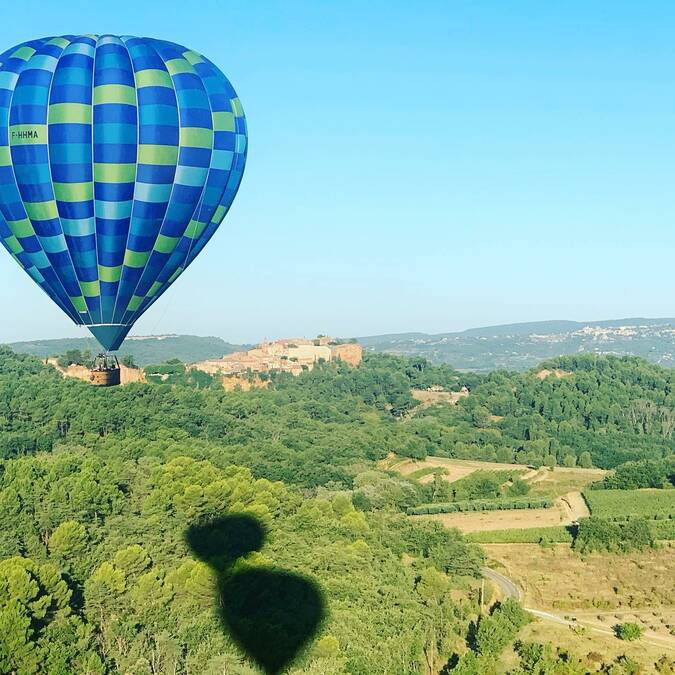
(378, 498)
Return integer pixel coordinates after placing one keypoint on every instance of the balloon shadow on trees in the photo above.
(271, 614)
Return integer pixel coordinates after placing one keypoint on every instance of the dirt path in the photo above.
(530, 475)
(575, 506)
(536, 475)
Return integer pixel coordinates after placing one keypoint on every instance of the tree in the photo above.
(569, 461)
(536, 657)
(597, 534)
(69, 540)
(495, 631)
(642, 474)
(585, 460)
(32, 598)
(18, 650)
(128, 361)
(542, 659)
(103, 586)
(432, 586)
(505, 455)
(472, 664)
(637, 535)
(518, 488)
(132, 560)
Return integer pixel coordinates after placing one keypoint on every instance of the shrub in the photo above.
(480, 505)
(599, 534)
(497, 630)
(518, 488)
(628, 631)
(646, 473)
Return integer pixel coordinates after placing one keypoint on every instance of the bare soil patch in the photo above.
(575, 506)
(429, 397)
(556, 373)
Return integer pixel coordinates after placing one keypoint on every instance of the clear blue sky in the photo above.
(415, 166)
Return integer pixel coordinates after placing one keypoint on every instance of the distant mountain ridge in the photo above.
(520, 346)
(516, 346)
(144, 349)
(527, 328)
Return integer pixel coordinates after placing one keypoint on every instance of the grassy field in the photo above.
(406, 466)
(627, 504)
(557, 579)
(594, 593)
(543, 482)
(565, 510)
(561, 480)
(420, 474)
(501, 520)
(661, 529)
(587, 644)
(500, 476)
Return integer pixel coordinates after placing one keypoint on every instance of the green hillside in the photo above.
(522, 346)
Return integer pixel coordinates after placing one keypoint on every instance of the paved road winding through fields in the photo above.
(510, 589)
(507, 587)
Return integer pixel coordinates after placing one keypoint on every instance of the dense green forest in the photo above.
(601, 411)
(99, 489)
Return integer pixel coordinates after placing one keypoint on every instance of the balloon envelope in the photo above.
(119, 158)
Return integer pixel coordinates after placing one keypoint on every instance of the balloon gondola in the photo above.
(106, 371)
(119, 159)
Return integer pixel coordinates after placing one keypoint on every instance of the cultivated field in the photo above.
(627, 504)
(542, 481)
(454, 469)
(530, 535)
(566, 509)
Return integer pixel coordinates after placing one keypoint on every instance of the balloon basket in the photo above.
(106, 371)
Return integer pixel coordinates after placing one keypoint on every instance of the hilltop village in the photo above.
(244, 369)
(292, 355)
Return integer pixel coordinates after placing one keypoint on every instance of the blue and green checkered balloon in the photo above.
(119, 158)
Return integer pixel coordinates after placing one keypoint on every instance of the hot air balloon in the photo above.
(119, 158)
